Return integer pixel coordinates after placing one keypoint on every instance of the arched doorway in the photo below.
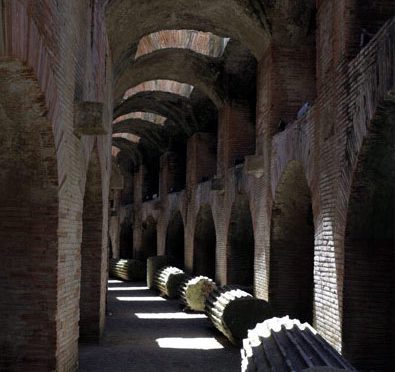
(175, 240)
(93, 256)
(291, 286)
(29, 213)
(241, 244)
(149, 238)
(368, 305)
(126, 239)
(204, 243)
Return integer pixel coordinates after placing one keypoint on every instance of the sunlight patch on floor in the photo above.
(140, 299)
(196, 343)
(127, 288)
(178, 315)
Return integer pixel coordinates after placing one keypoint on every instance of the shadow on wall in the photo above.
(149, 239)
(368, 320)
(241, 244)
(175, 240)
(29, 223)
(291, 288)
(92, 255)
(204, 243)
(126, 240)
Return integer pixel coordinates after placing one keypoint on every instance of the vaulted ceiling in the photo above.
(176, 62)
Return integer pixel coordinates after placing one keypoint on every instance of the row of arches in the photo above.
(35, 241)
(368, 284)
(369, 255)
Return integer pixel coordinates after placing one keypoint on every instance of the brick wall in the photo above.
(28, 228)
(235, 135)
(326, 142)
(60, 60)
(172, 172)
(201, 158)
(49, 38)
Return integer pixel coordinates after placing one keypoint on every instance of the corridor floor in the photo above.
(145, 332)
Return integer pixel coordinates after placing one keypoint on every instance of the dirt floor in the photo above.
(145, 332)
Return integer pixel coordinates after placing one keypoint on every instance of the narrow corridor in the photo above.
(145, 332)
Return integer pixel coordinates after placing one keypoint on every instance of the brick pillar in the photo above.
(286, 80)
(201, 158)
(236, 135)
(172, 173)
(92, 305)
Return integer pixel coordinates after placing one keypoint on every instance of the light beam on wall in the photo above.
(115, 151)
(160, 85)
(200, 42)
(146, 116)
(128, 136)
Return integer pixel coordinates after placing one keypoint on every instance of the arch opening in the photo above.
(126, 240)
(29, 209)
(368, 305)
(204, 244)
(149, 238)
(92, 294)
(241, 244)
(291, 286)
(175, 240)
(150, 179)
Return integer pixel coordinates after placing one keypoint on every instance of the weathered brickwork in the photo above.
(51, 41)
(345, 94)
(306, 219)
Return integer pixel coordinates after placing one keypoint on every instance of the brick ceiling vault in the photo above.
(176, 66)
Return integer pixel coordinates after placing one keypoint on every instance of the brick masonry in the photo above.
(346, 89)
(69, 62)
(50, 59)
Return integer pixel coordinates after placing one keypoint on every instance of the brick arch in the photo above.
(368, 310)
(240, 243)
(29, 208)
(175, 239)
(204, 243)
(173, 65)
(93, 255)
(291, 282)
(149, 238)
